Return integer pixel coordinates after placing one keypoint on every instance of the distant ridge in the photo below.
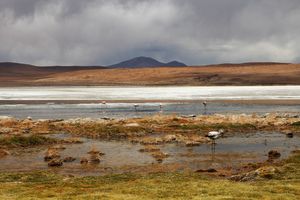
(148, 71)
(140, 62)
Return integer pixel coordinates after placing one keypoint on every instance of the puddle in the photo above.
(123, 156)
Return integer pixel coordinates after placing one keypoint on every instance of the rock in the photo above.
(210, 170)
(55, 163)
(4, 152)
(273, 154)
(84, 161)
(69, 159)
(289, 134)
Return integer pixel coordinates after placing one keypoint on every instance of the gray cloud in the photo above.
(48, 32)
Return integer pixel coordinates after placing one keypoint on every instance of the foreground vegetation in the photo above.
(284, 185)
(26, 141)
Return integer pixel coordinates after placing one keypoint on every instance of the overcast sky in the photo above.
(102, 32)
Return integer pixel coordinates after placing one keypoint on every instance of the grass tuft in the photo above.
(28, 141)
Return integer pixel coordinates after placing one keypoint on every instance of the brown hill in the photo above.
(15, 74)
(223, 74)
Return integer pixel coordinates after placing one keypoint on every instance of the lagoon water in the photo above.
(127, 110)
(122, 110)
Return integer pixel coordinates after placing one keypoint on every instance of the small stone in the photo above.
(273, 154)
(289, 134)
(55, 163)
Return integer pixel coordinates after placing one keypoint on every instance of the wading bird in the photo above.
(160, 107)
(135, 107)
(204, 104)
(104, 105)
(213, 135)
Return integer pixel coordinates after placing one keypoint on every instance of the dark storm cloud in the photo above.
(79, 32)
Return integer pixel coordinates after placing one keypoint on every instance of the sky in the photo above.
(102, 32)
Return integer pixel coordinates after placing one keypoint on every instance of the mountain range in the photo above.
(141, 62)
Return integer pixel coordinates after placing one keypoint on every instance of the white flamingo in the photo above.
(213, 135)
(104, 105)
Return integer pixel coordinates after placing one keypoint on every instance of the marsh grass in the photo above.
(42, 184)
(26, 141)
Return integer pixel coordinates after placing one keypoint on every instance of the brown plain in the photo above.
(223, 74)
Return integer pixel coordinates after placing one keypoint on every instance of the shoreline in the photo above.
(232, 101)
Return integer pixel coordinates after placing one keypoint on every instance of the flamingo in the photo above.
(213, 135)
(160, 107)
(104, 105)
(204, 104)
(135, 107)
